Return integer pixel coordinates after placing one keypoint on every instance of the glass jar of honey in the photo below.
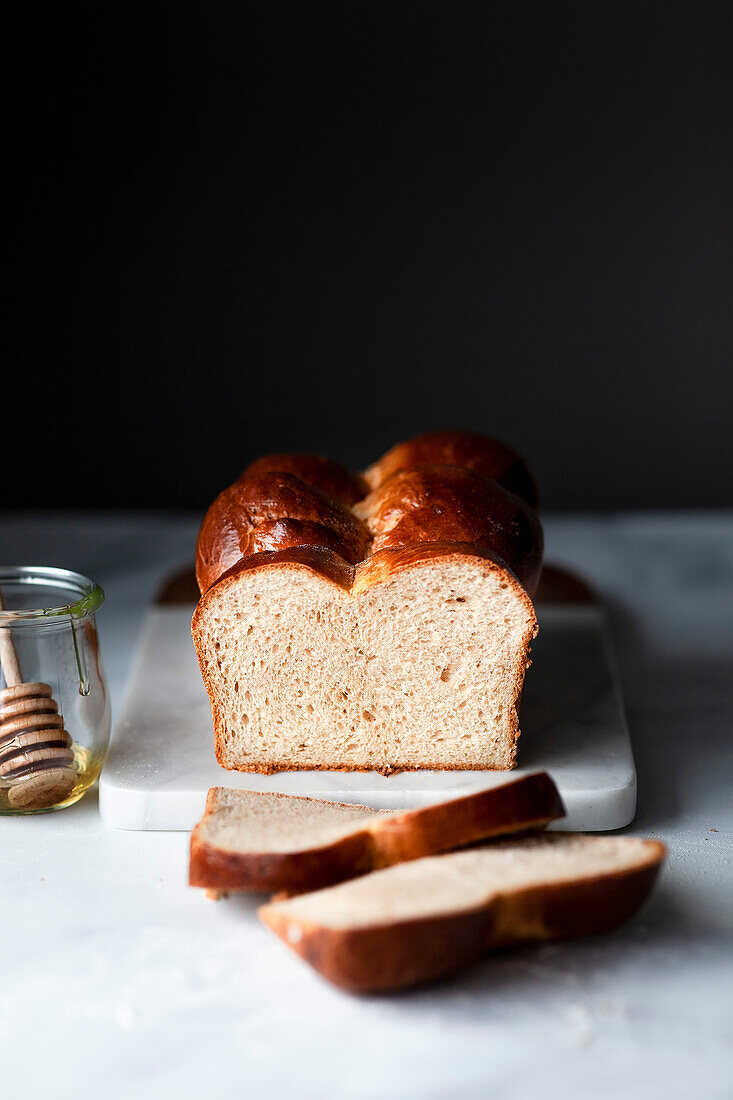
(54, 701)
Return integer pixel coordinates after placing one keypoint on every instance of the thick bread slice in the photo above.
(420, 920)
(274, 842)
(413, 659)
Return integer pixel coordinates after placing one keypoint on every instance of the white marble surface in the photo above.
(162, 760)
(119, 981)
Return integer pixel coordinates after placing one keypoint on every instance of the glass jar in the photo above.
(54, 702)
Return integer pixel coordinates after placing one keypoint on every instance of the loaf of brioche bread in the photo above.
(377, 622)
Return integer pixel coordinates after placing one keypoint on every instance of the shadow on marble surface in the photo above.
(240, 907)
(677, 713)
(664, 934)
(678, 717)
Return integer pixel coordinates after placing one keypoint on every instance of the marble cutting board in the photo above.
(162, 762)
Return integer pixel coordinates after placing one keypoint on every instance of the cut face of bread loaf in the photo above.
(418, 663)
(386, 633)
(274, 842)
(420, 920)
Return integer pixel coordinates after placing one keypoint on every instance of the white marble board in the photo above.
(162, 762)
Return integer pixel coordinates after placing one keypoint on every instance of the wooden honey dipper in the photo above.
(35, 750)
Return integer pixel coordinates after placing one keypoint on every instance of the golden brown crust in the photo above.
(386, 957)
(436, 488)
(293, 873)
(474, 452)
(525, 802)
(317, 559)
(270, 511)
(280, 534)
(391, 956)
(321, 473)
(450, 504)
(287, 872)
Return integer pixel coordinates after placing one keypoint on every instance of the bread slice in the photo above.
(415, 659)
(420, 920)
(275, 842)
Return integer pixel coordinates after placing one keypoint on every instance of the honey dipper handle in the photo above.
(8, 656)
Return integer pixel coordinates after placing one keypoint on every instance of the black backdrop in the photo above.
(327, 226)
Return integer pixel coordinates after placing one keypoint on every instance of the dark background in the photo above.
(328, 226)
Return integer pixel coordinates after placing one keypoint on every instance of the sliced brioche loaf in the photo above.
(274, 842)
(387, 630)
(416, 921)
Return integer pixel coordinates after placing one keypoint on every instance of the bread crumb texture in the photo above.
(422, 670)
(260, 822)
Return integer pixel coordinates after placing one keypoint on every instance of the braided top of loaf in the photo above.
(467, 449)
(442, 493)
